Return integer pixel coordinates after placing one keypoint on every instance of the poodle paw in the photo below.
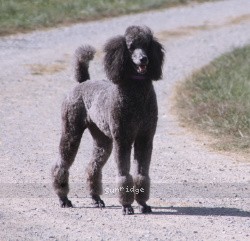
(98, 202)
(127, 210)
(65, 203)
(145, 209)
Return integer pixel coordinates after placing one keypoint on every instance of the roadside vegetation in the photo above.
(216, 101)
(27, 15)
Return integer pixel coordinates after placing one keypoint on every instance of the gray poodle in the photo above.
(119, 113)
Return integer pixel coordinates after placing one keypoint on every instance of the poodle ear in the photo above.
(156, 58)
(116, 60)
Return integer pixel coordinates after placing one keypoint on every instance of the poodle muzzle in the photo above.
(140, 60)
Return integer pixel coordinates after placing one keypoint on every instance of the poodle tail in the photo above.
(84, 55)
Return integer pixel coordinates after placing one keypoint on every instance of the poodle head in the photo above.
(136, 56)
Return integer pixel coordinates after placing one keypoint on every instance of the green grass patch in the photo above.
(26, 15)
(216, 100)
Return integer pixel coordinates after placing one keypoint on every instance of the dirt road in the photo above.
(196, 194)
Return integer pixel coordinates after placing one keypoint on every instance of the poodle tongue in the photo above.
(142, 69)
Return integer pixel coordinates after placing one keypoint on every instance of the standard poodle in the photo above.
(120, 113)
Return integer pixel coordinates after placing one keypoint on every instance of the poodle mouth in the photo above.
(141, 69)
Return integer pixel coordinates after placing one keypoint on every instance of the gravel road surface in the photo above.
(196, 194)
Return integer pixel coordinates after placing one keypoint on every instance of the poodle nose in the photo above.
(144, 60)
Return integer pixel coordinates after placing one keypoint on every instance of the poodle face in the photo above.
(140, 60)
(136, 55)
(138, 42)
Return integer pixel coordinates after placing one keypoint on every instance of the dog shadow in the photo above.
(191, 211)
(200, 211)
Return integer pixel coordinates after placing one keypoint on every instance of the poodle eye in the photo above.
(131, 47)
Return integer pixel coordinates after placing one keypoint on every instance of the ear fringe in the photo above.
(156, 57)
(116, 60)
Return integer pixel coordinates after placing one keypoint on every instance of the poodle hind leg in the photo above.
(101, 152)
(72, 131)
(142, 155)
(61, 186)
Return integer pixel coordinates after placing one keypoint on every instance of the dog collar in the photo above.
(138, 77)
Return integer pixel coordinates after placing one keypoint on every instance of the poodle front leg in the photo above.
(142, 155)
(125, 180)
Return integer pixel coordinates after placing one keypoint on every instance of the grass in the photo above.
(27, 15)
(216, 101)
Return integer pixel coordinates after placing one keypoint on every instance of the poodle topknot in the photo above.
(120, 114)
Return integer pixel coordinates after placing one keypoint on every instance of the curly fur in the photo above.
(119, 114)
(83, 56)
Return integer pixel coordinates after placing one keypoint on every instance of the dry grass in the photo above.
(166, 35)
(43, 69)
(190, 30)
(240, 19)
